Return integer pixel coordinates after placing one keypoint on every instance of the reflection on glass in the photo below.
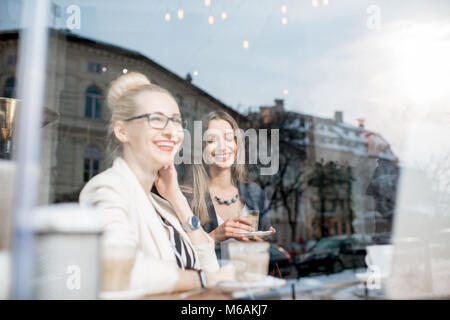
(359, 95)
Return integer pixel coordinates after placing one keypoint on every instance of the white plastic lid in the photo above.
(66, 218)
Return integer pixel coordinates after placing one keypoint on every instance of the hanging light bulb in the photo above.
(285, 92)
(207, 3)
(325, 2)
(315, 3)
(167, 17)
(211, 20)
(224, 15)
(125, 71)
(284, 20)
(245, 44)
(195, 73)
(180, 14)
(283, 9)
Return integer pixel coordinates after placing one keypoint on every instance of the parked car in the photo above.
(279, 257)
(382, 238)
(294, 249)
(332, 255)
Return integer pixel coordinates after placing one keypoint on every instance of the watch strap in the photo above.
(188, 226)
(202, 277)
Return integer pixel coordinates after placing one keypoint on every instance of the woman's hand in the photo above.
(258, 239)
(166, 183)
(229, 228)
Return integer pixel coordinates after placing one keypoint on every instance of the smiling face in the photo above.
(221, 146)
(151, 147)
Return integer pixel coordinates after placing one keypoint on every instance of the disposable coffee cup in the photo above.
(65, 255)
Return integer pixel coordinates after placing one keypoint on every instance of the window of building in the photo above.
(93, 103)
(12, 60)
(302, 122)
(91, 163)
(9, 90)
(336, 227)
(94, 67)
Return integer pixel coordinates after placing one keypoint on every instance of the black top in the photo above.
(254, 198)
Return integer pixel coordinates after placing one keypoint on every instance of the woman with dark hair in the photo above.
(222, 191)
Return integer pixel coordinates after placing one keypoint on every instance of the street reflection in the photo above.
(361, 195)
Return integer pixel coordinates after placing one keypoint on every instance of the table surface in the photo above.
(291, 291)
(210, 294)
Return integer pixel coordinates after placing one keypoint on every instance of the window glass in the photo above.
(352, 96)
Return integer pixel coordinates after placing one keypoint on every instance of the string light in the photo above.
(285, 91)
(284, 20)
(180, 14)
(283, 9)
(314, 3)
(224, 15)
(195, 73)
(104, 69)
(325, 2)
(245, 44)
(167, 17)
(125, 71)
(211, 20)
(207, 3)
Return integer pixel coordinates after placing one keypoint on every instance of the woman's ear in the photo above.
(120, 131)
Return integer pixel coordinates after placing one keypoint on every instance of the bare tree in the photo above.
(284, 189)
(329, 179)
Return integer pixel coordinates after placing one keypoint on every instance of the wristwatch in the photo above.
(193, 223)
(202, 276)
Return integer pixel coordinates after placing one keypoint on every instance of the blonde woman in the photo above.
(222, 189)
(174, 253)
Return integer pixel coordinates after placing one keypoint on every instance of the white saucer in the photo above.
(260, 234)
(268, 283)
(121, 295)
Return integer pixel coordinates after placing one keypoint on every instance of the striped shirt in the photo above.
(184, 253)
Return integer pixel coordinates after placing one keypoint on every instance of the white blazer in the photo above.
(129, 216)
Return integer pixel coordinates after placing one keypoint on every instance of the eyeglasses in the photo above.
(158, 120)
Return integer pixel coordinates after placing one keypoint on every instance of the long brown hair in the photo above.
(201, 176)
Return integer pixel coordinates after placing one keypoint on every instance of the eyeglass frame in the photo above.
(147, 115)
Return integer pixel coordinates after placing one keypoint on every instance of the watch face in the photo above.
(195, 222)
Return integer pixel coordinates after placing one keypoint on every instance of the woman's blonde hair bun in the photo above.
(121, 101)
(123, 84)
